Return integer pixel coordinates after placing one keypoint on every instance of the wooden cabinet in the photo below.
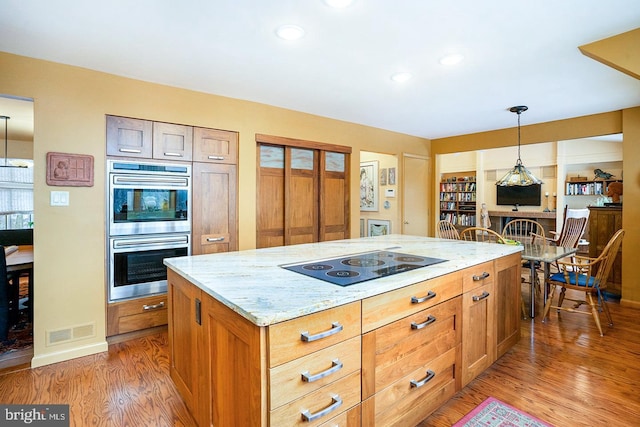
(215, 146)
(135, 314)
(138, 138)
(129, 137)
(508, 292)
(214, 156)
(458, 199)
(478, 321)
(411, 366)
(603, 223)
(391, 359)
(146, 139)
(185, 344)
(172, 142)
(215, 205)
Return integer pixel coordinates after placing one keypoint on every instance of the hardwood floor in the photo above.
(562, 372)
(127, 386)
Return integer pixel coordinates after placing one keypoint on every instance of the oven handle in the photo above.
(150, 180)
(150, 241)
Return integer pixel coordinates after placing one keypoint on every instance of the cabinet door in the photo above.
(185, 332)
(508, 294)
(215, 146)
(215, 221)
(129, 137)
(172, 142)
(334, 199)
(478, 326)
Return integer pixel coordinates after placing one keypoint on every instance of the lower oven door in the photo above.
(136, 265)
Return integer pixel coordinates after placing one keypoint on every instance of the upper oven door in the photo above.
(143, 203)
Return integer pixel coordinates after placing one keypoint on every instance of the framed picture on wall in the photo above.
(392, 176)
(378, 227)
(383, 176)
(369, 186)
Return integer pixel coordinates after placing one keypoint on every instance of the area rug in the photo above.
(494, 413)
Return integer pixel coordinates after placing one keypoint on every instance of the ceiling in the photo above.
(516, 53)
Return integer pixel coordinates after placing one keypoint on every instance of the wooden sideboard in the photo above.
(603, 223)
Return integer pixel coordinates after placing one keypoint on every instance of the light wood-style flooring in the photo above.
(562, 372)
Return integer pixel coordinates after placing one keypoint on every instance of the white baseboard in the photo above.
(61, 356)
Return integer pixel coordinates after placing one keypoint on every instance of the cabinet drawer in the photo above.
(136, 314)
(395, 350)
(294, 379)
(329, 401)
(301, 336)
(350, 418)
(476, 276)
(405, 404)
(391, 306)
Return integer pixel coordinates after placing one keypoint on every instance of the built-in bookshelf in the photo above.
(588, 188)
(458, 199)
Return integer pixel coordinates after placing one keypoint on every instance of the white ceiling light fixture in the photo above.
(452, 59)
(338, 4)
(290, 32)
(401, 77)
(519, 175)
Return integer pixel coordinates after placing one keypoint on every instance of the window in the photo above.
(16, 194)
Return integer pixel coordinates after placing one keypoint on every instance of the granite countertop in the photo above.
(253, 284)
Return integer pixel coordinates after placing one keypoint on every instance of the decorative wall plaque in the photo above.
(70, 170)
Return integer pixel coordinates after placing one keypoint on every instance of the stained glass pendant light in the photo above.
(519, 175)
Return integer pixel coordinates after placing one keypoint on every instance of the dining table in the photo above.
(545, 254)
(21, 261)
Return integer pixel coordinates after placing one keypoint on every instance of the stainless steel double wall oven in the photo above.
(149, 219)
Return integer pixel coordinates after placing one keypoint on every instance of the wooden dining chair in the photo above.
(588, 275)
(523, 230)
(480, 234)
(446, 230)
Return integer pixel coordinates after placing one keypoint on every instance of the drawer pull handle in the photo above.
(336, 365)
(129, 150)
(335, 328)
(153, 307)
(430, 320)
(215, 157)
(429, 377)
(215, 239)
(481, 277)
(416, 300)
(481, 297)
(173, 154)
(336, 402)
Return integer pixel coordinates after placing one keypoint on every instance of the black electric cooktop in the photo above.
(352, 269)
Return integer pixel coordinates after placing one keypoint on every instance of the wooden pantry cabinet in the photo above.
(391, 359)
(213, 154)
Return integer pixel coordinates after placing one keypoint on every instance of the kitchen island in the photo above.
(252, 343)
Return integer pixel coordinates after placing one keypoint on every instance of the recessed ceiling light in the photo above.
(339, 4)
(290, 32)
(401, 77)
(451, 59)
